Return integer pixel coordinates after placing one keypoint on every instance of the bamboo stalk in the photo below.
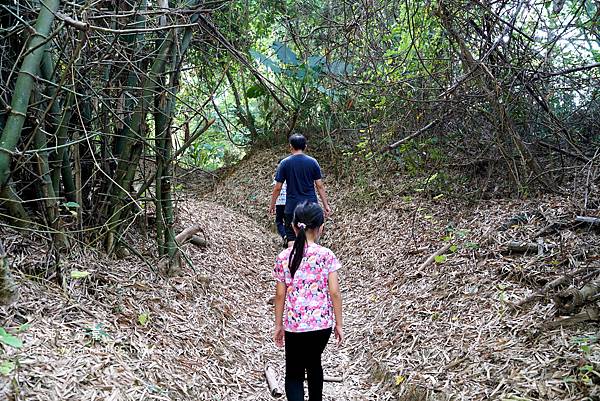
(14, 204)
(132, 150)
(8, 288)
(23, 88)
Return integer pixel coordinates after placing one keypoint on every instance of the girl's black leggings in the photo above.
(303, 354)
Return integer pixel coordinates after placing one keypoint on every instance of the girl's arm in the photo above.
(336, 299)
(279, 300)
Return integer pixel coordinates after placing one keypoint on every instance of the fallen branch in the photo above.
(525, 247)
(594, 221)
(588, 314)
(430, 259)
(271, 377)
(567, 302)
(546, 288)
(187, 234)
(199, 242)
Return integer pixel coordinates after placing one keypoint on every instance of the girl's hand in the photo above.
(339, 334)
(278, 336)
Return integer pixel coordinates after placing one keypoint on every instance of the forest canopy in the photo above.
(100, 101)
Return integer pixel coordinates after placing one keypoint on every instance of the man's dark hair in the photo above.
(298, 141)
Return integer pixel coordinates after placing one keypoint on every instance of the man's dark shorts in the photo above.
(290, 235)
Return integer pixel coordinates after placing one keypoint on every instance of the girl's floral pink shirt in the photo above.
(308, 305)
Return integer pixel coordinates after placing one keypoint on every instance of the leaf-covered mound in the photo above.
(120, 331)
(448, 329)
(415, 330)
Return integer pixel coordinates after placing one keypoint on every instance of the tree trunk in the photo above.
(136, 42)
(11, 200)
(47, 189)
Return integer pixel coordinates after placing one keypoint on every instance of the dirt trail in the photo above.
(127, 333)
(447, 331)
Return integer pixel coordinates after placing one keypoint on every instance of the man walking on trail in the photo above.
(302, 174)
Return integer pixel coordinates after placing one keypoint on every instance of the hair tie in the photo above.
(302, 226)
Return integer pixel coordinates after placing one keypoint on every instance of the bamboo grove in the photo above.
(97, 98)
(88, 96)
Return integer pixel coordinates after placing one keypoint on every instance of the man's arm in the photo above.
(323, 195)
(274, 196)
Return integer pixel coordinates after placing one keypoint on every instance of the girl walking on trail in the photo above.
(308, 303)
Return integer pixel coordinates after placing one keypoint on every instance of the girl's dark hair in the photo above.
(306, 216)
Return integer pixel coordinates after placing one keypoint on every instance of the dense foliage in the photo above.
(101, 100)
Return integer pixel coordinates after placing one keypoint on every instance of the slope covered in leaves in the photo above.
(448, 329)
(118, 330)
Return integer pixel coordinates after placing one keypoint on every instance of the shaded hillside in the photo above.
(125, 332)
(415, 331)
(448, 328)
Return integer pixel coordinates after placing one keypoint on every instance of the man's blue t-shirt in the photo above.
(300, 173)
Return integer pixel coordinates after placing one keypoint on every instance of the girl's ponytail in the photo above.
(306, 216)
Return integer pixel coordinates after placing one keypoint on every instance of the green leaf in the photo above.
(339, 67)
(325, 91)
(462, 233)
(440, 259)
(6, 367)
(255, 91)
(9, 339)
(73, 205)
(453, 248)
(143, 318)
(76, 274)
(284, 53)
(96, 333)
(266, 61)
(472, 245)
(23, 327)
(316, 62)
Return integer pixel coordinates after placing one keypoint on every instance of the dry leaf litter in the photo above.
(444, 332)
